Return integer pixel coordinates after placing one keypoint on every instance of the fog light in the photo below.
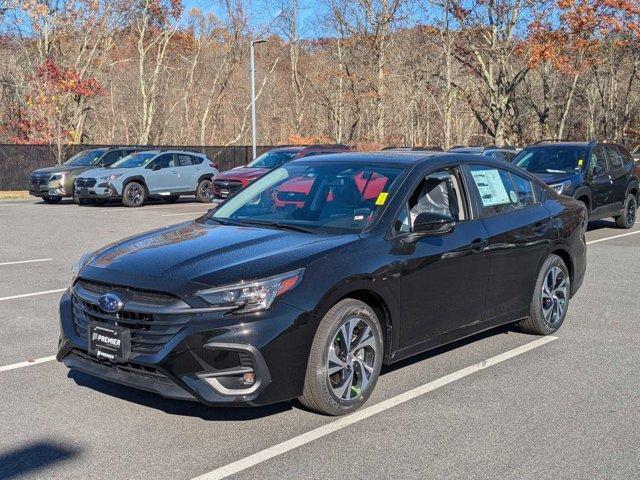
(249, 378)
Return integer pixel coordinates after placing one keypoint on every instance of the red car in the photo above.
(295, 191)
(228, 183)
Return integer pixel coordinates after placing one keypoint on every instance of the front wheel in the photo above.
(134, 195)
(345, 359)
(203, 192)
(550, 298)
(628, 217)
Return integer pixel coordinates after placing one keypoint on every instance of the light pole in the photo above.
(252, 70)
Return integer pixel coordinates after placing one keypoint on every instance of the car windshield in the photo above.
(134, 160)
(85, 158)
(552, 159)
(328, 197)
(272, 159)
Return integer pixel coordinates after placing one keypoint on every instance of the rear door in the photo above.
(599, 181)
(519, 230)
(618, 175)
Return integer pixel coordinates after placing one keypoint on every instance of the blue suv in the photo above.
(601, 175)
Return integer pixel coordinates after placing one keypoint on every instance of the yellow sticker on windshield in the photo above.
(381, 198)
(580, 162)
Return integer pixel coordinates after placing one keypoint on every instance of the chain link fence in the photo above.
(18, 161)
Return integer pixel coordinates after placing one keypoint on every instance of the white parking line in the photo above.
(25, 295)
(615, 236)
(27, 261)
(28, 363)
(363, 414)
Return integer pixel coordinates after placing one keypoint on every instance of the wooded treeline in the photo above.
(381, 72)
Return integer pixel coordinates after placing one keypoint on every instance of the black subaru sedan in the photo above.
(304, 283)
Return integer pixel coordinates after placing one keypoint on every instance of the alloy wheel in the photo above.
(631, 211)
(134, 194)
(554, 295)
(205, 189)
(351, 357)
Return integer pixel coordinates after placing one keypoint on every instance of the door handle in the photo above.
(479, 245)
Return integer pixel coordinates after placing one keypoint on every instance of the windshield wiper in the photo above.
(283, 226)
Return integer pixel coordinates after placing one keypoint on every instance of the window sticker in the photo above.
(580, 162)
(490, 186)
(513, 197)
(381, 198)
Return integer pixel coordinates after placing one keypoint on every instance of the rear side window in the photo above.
(496, 190)
(613, 155)
(196, 160)
(524, 190)
(626, 156)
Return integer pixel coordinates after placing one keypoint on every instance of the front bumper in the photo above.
(54, 188)
(206, 360)
(105, 191)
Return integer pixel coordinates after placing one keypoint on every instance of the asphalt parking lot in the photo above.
(501, 405)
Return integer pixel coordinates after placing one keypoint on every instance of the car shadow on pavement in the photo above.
(28, 459)
(176, 407)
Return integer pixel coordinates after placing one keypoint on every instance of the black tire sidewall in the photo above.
(630, 200)
(337, 315)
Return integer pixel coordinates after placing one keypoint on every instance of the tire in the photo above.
(628, 218)
(134, 195)
(550, 301)
(335, 394)
(51, 200)
(203, 192)
(172, 198)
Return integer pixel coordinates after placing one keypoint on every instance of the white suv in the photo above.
(152, 173)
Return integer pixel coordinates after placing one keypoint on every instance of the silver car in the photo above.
(135, 178)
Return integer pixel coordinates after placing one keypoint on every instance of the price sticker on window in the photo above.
(382, 197)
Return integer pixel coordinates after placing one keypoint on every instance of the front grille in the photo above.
(85, 182)
(142, 315)
(231, 185)
(39, 178)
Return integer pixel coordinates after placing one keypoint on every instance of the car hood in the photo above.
(552, 178)
(103, 172)
(242, 173)
(63, 168)
(214, 255)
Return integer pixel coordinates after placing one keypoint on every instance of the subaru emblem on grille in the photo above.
(110, 302)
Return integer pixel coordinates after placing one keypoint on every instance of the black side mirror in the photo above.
(155, 167)
(429, 223)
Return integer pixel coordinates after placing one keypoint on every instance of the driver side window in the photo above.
(438, 193)
(598, 163)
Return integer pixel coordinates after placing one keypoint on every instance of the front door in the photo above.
(618, 175)
(443, 278)
(164, 177)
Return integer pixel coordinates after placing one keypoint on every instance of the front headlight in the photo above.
(111, 177)
(81, 262)
(562, 188)
(58, 176)
(252, 296)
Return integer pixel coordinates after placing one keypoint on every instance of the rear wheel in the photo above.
(51, 200)
(628, 217)
(203, 192)
(345, 359)
(550, 298)
(134, 195)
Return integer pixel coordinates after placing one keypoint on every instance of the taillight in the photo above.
(214, 165)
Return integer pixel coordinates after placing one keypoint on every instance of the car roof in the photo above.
(400, 158)
(561, 144)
